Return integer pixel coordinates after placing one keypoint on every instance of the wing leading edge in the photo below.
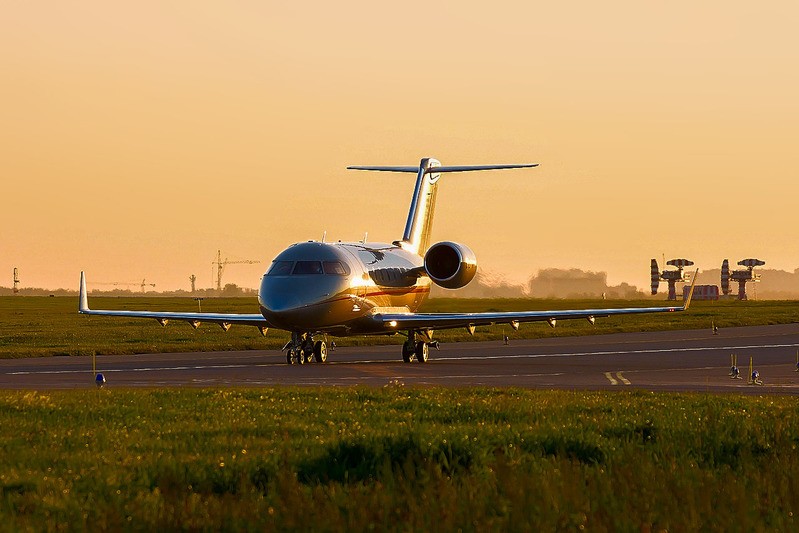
(433, 321)
(225, 320)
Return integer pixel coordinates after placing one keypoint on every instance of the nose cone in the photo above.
(299, 302)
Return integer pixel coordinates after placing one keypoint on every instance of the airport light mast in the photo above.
(741, 276)
(220, 266)
(672, 277)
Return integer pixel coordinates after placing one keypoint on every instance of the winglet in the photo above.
(687, 302)
(83, 306)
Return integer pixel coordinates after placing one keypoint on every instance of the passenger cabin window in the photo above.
(336, 268)
(280, 268)
(302, 268)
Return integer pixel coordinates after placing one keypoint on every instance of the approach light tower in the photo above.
(672, 277)
(741, 276)
(16, 280)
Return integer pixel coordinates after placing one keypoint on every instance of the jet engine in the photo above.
(450, 265)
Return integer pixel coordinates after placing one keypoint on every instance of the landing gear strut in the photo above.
(417, 348)
(303, 349)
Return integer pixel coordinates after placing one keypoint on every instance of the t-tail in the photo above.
(419, 225)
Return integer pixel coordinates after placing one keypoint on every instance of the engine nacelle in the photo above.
(450, 265)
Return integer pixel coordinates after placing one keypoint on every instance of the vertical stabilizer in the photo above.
(416, 238)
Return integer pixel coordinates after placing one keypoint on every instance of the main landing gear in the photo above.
(417, 348)
(302, 348)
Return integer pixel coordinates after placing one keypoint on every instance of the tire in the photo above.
(422, 352)
(290, 357)
(320, 351)
(300, 356)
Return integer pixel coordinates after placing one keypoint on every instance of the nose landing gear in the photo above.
(303, 349)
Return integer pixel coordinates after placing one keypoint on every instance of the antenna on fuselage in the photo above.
(365, 235)
(324, 235)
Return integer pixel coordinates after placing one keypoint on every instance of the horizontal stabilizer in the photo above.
(386, 169)
(436, 170)
(467, 168)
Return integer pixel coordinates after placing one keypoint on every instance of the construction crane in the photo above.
(220, 266)
(143, 284)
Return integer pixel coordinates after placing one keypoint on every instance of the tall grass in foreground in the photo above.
(397, 458)
(38, 326)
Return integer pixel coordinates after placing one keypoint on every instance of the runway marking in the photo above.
(623, 379)
(452, 358)
(619, 352)
(610, 378)
(143, 369)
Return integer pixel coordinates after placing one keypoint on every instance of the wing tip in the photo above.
(687, 302)
(83, 303)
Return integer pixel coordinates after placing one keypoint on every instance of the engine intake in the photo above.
(450, 265)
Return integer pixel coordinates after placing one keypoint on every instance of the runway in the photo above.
(692, 360)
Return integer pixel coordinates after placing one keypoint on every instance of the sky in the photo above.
(138, 138)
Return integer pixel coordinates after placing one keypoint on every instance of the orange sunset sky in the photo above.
(137, 138)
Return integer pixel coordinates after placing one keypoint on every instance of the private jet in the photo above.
(318, 289)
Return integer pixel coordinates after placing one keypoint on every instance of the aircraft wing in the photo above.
(432, 321)
(194, 319)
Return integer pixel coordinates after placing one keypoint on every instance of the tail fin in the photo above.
(416, 238)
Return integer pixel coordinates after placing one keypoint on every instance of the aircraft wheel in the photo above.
(422, 351)
(290, 357)
(300, 353)
(320, 351)
(407, 352)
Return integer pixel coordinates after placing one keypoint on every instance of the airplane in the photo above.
(314, 289)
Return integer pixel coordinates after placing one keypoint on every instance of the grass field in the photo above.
(41, 326)
(437, 459)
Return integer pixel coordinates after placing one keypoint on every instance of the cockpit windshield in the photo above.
(280, 268)
(336, 268)
(304, 268)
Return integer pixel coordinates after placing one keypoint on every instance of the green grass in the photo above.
(41, 326)
(396, 458)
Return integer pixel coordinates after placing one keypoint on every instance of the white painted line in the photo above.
(622, 378)
(610, 378)
(619, 352)
(454, 358)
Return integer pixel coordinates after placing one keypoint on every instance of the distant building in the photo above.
(571, 283)
(702, 292)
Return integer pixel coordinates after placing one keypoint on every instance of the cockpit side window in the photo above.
(336, 268)
(307, 267)
(280, 268)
